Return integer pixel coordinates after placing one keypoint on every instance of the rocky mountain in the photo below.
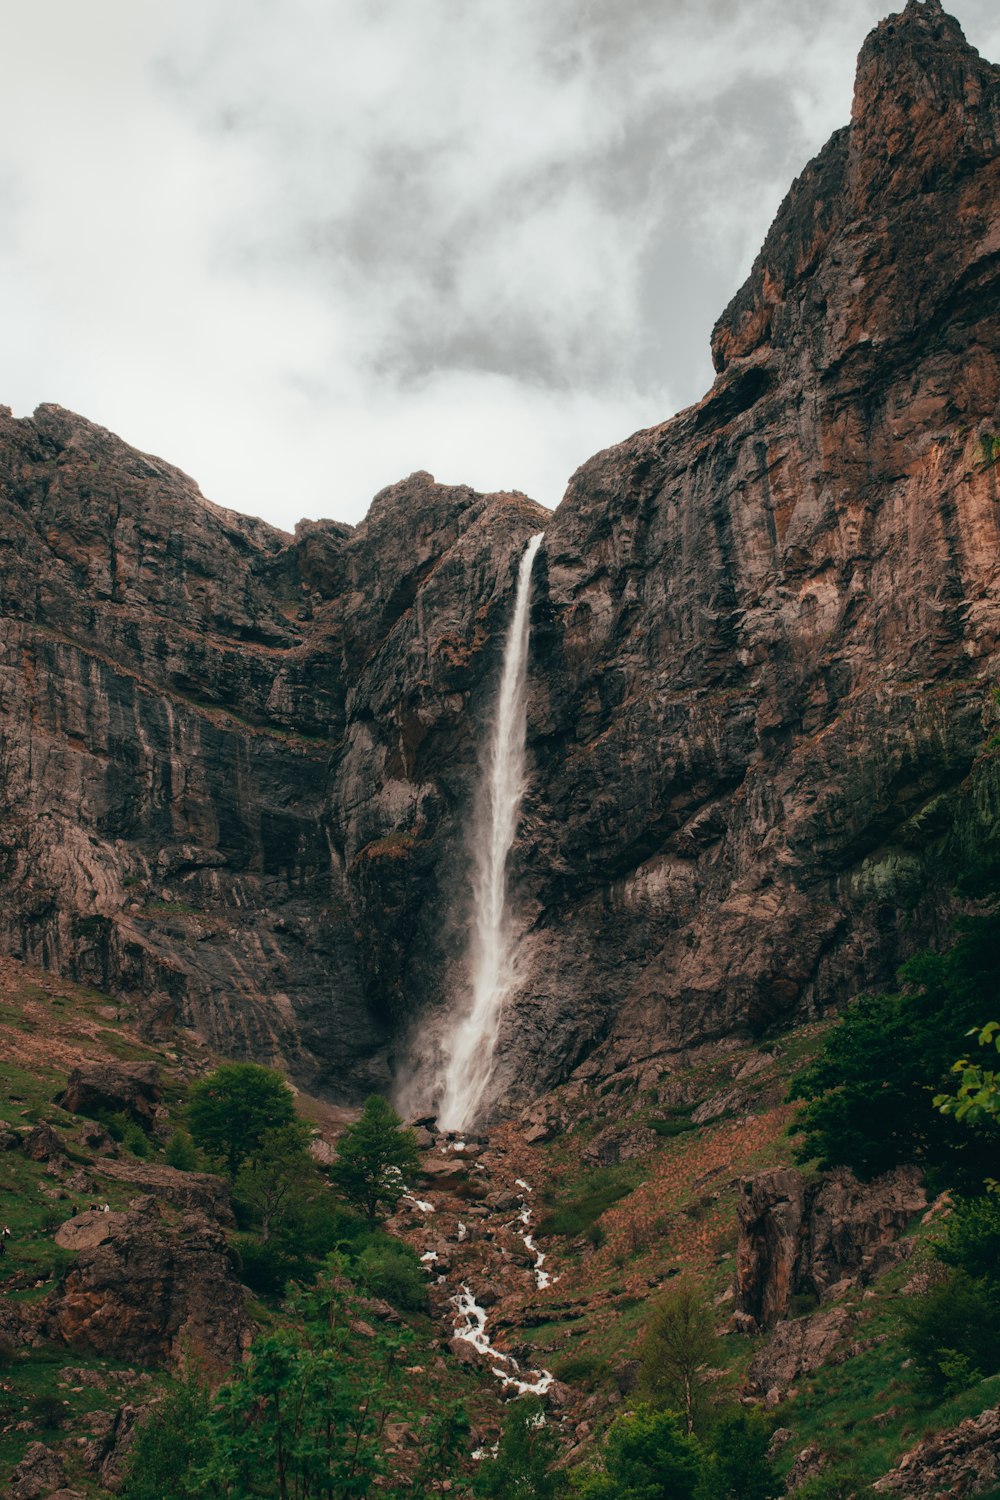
(239, 767)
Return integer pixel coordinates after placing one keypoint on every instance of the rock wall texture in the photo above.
(237, 766)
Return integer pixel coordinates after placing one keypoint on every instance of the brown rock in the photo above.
(39, 1473)
(97, 1088)
(198, 1192)
(141, 1289)
(795, 1348)
(42, 1143)
(965, 1460)
(817, 1238)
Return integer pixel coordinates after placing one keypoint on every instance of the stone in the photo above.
(115, 1432)
(42, 1143)
(964, 1460)
(797, 1347)
(142, 1289)
(39, 1473)
(98, 1088)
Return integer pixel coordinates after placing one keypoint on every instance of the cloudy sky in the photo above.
(301, 248)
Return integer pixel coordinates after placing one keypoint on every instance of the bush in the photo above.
(952, 1334)
(972, 1238)
(47, 1411)
(122, 1128)
(267, 1269)
(587, 1371)
(392, 1270)
(181, 1152)
(167, 1447)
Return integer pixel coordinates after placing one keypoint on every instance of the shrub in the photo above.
(952, 1333)
(267, 1269)
(392, 1270)
(181, 1152)
(587, 1371)
(47, 1411)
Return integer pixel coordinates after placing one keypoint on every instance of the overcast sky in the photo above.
(301, 248)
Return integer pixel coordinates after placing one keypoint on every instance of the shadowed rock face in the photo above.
(237, 766)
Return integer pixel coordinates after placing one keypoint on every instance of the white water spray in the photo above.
(470, 1049)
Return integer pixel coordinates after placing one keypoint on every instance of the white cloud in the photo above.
(302, 249)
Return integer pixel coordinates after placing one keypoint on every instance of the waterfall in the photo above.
(470, 1048)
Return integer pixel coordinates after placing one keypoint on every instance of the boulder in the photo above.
(98, 1088)
(114, 1436)
(145, 1290)
(42, 1143)
(198, 1192)
(39, 1473)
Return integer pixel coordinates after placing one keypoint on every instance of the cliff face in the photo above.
(237, 766)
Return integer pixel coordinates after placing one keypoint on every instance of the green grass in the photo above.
(584, 1201)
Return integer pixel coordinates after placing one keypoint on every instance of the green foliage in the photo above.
(47, 1410)
(303, 1417)
(162, 1460)
(972, 1239)
(523, 1466)
(392, 1270)
(267, 1267)
(373, 1155)
(231, 1111)
(680, 1342)
(278, 1179)
(647, 1457)
(587, 1371)
(180, 1152)
(869, 1091)
(839, 1483)
(978, 1095)
(122, 1128)
(952, 1334)
(587, 1201)
(737, 1466)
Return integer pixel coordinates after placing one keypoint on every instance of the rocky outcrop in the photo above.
(99, 1088)
(144, 1289)
(40, 1472)
(238, 765)
(796, 1348)
(813, 1237)
(950, 1465)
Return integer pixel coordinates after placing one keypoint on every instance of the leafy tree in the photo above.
(978, 1095)
(523, 1466)
(738, 1467)
(680, 1342)
(972, 1240)
(231, 1111)
(278, 1178)
(180, 1152)
(869, 1091)
(392, 1269)
(161, 1460)
(372, 1156)
(647, 1456)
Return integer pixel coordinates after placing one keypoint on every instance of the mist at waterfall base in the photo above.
(463, 1067)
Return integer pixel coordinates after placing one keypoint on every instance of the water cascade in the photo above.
(470, 1048)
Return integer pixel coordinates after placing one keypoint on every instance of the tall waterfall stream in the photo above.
(469, 1051)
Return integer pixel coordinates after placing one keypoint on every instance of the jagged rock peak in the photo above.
(926, 113)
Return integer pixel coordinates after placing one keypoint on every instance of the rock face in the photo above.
(949, 1465)
(96, 1088)
(140, 1289)
(798, 1237)
(238, 765)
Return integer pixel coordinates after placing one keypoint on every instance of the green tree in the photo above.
(738, 1467)
(231, 1111)
(523, 1466)
(647, 1456)
(679, 1344)
(278, 1179)
(373, 1155)
(869, 1091)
